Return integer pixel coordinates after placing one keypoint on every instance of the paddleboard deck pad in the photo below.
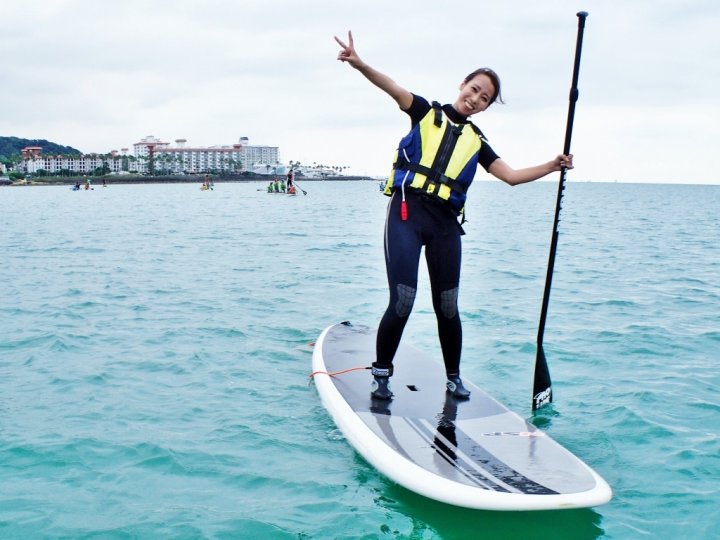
(473, 453)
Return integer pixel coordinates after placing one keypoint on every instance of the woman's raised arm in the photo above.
(348, 54)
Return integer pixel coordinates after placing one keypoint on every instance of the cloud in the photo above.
(99, 77)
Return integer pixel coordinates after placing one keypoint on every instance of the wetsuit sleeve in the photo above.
(418, 109)
(486, 156)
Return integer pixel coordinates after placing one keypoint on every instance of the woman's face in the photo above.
(475, 95)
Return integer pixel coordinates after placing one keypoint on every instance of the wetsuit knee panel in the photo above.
(448, 303)
(405, 301)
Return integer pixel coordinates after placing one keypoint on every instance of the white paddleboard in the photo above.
(472, 453)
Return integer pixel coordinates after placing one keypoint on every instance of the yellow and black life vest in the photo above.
(437, 157)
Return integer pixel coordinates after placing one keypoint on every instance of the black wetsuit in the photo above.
(433, 224)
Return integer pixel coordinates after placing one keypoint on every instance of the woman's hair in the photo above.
(497, 96)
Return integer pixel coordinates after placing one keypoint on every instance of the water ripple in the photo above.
(154, 369)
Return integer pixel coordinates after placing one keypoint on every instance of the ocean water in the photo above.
(156, 341)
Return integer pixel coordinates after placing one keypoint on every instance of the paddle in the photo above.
(301, 189)
(542, 386)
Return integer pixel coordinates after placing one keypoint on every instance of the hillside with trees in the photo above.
(10, 147)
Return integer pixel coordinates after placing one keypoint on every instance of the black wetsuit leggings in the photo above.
(433, 225)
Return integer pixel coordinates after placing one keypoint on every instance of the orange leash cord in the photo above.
(332, 374)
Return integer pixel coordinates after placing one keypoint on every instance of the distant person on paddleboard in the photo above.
(434, 166)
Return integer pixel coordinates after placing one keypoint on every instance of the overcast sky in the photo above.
(100, 76)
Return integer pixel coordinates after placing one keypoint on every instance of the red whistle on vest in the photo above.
(403, 211)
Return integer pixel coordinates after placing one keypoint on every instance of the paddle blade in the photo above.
(542, 386)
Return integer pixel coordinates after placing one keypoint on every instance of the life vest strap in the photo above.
(438, 113)
(437, 109)
(432, 175)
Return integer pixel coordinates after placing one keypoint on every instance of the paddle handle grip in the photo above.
(574, 92)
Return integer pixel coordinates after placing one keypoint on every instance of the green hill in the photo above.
(11, 146)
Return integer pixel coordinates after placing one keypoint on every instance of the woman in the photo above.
(434, 167)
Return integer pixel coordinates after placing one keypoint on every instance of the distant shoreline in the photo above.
(173, 179)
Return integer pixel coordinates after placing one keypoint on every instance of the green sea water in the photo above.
(156, 340)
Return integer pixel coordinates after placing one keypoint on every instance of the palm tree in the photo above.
(141, 163)
(106, 158)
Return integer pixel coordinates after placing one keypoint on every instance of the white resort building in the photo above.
(33, 161)
(181, 158)
(153, 155)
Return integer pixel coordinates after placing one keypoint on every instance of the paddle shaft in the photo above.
(542, 385)
(297, 186)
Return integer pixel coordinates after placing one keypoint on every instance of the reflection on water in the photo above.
(451, 522)
(542, 418)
